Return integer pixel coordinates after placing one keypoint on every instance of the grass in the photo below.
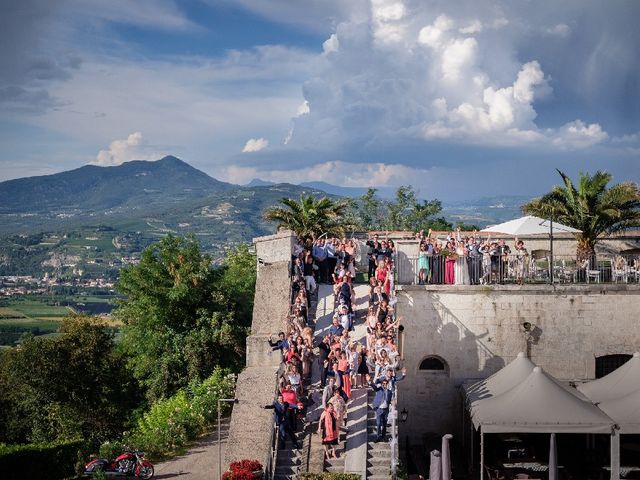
(28, 324)
(35, 309)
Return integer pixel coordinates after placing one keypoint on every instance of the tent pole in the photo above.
(462, 429)
(481, 454)
(551, 250)
(615, 455)
(473, 440)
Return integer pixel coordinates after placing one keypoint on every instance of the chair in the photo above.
(619, 269)
(589, 273)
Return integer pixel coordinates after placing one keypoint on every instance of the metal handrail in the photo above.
(615, 268)
(393, 413)
(270, 468)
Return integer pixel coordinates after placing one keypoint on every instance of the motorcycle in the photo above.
(130, 463)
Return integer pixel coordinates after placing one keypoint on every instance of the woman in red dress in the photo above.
(343, 368)
(329, 428)
(449, 264)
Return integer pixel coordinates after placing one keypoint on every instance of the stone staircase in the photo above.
(378, 453)
(290, 460)
(336, 465)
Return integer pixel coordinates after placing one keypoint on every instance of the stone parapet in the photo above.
(251, 425)
(260, 353)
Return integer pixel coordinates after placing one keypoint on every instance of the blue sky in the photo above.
(459, 99)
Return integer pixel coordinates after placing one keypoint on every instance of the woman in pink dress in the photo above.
(449, 264)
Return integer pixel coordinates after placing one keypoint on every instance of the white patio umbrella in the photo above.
(446, 457)
(531, 225)
(553, 458)
(435, 467)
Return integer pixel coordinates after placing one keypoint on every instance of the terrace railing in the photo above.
(511, 269)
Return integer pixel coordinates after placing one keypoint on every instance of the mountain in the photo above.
(132, 184)
(92, 219)
(257, 182)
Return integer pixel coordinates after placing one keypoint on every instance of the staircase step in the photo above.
(334, 469)
(377, 460)
(379, 470)
(288, 461)
(286, 471)
(378, 477)
(287, 453)
(379, 447)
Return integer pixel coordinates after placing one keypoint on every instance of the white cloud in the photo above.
(255, 145)
(432, 35)
(474, 27)
(405, 77)
(560, 30)
(458, 56)
(303, 109)
(331, 44)
(387, 22)
(577, 134)
(627, 138)
(131, 148)
(335, 172)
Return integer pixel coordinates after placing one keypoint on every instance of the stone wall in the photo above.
(477, 330)
(251, 425)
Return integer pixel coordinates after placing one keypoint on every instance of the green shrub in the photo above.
(170, 423)
(205, 395)
(329, 476)
(167, 426)
(51, 461)
(111, 450)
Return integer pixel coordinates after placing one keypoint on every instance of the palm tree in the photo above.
(590, 207)
(310, 217)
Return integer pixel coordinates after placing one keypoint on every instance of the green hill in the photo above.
(91, 188)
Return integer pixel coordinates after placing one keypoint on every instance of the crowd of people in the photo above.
(342, 362)
(469, 260)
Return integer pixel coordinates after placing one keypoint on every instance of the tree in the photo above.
(590, 207)
(399, 210)
(178, 324)
(74, 385)
(369, 210)
(310, 217)
(238, 281)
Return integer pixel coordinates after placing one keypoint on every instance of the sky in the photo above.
(460, 99)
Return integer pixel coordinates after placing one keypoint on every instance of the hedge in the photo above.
(330, 476)
(51, 461)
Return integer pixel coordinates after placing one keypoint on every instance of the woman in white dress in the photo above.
(461, 269)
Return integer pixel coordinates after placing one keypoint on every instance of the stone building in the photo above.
(451, 334)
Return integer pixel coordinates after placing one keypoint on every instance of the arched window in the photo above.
(608, 363)
(433, 363)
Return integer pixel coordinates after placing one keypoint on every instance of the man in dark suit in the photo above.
(282, 419)
(374, 246)
(381, 404)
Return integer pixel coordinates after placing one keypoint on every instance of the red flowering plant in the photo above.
(243, 470)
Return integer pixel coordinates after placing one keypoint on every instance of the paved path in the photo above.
(356, 459)
(199, 463)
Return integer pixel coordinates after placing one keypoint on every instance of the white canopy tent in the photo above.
(619, 383)
(538, 404)
(532, 225)
(504, 379)
(625, 411)
(529, 225)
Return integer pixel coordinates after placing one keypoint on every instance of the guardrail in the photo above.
(485, 270)
(395, 451)
(270, 468)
